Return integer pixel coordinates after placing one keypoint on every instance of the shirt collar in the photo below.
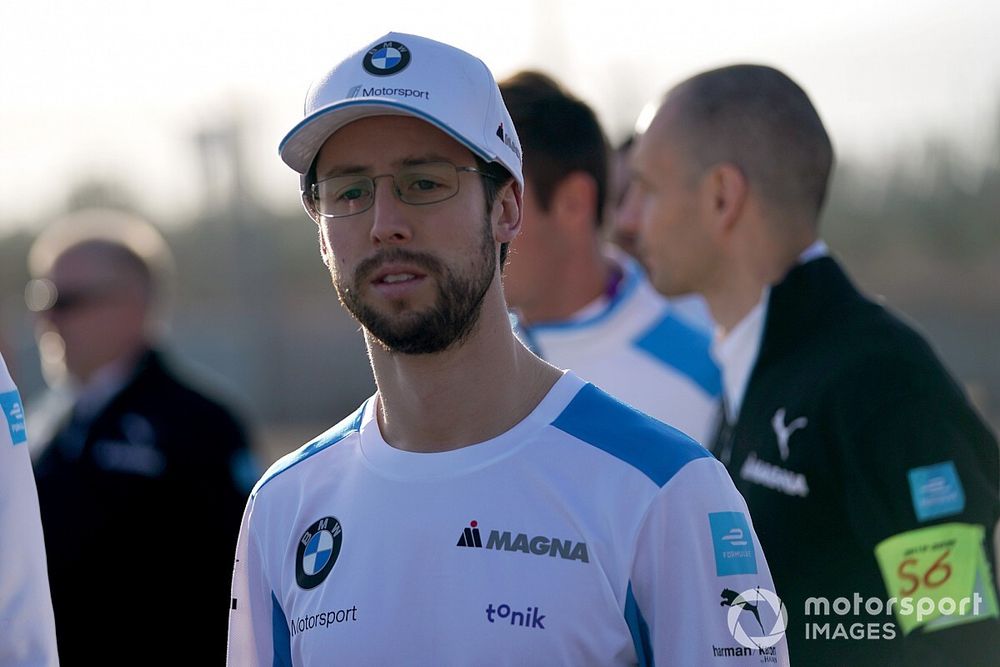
(815, 251)
(736, 354)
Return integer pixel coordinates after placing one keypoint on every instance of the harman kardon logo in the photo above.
(539, 545)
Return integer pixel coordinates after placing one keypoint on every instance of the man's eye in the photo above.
(424, 184)
(353, 193)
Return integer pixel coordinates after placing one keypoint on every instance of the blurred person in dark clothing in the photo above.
(871, 479)
(142, 479)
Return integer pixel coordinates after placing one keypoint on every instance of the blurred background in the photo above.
(174, 110)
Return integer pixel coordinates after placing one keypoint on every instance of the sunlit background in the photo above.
(175, 109)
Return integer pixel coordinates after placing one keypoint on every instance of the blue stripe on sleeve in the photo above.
(281, 635)
(348, 425)
(640, 631)
(654, 448)
(679, 345)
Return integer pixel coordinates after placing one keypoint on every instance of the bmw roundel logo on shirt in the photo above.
(386, 58)
(317, 552)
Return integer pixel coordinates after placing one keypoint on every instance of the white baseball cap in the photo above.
(408, 75)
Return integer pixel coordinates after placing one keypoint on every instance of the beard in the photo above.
(446, 323)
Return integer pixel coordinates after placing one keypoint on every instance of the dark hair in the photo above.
(757, 118)
(559, 135)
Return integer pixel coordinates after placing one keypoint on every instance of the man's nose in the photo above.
(390, 222)
(627, 219)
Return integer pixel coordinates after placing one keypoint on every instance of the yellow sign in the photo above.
(937, 576)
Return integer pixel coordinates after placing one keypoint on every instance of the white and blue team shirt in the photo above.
(648, 351)
(588, 534)
(27, 628)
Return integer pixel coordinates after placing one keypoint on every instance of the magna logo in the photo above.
(538, 545)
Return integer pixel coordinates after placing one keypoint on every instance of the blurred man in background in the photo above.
(620, 172)
(581, 303)
(27, 631)
(142, 479)
(870, 477)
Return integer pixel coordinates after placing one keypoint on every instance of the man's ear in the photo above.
(506, 214)
(725, 194)
(574, 202)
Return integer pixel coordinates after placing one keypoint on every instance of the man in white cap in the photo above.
(482, 507)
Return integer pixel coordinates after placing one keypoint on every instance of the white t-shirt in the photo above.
(27, 628)
(588, 534)
(641, 348)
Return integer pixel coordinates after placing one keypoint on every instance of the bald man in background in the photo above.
(142, 481)
(870, 477)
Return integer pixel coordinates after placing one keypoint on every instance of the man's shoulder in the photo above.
(677, 339)
(160, 387)
(653, 448)
(872, 337)
(332, 436)
(847, 325)
(670, 335)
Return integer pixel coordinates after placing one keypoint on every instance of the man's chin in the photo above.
(664, 285)
(410, 341)
(407, 331)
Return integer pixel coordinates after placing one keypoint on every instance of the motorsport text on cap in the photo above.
(408, 75)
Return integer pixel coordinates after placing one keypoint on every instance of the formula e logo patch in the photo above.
(733, 541)
(10, 403)
(318, 549)
(386, 58)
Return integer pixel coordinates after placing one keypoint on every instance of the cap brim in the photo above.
(300, 146)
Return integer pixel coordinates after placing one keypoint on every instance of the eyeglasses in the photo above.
(41, 296)
(416, 184)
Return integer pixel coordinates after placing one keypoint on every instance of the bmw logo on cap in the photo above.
(318, 549)
(386, 58)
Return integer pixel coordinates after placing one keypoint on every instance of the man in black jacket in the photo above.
(142, 481)
(872, 481)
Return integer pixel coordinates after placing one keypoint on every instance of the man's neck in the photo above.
(464, 395)
(584, 278)
(748, 275)
(732, 302)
